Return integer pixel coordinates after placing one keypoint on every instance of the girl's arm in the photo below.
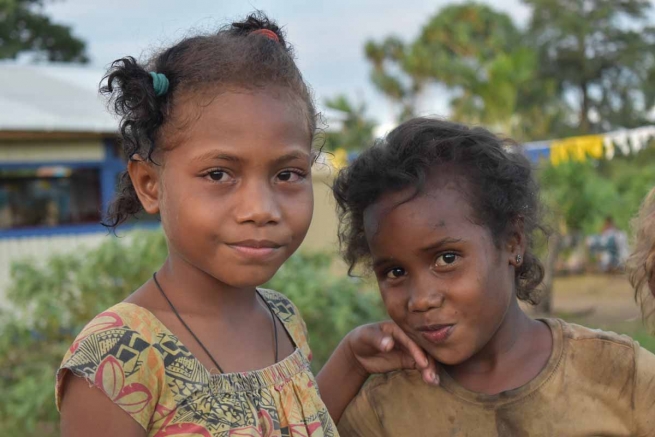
(375, 348)
(86, 411)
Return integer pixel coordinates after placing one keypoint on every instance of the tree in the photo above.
(24, 28)
(356, 131)
(481, 57)
(603, 53)
(580, 195)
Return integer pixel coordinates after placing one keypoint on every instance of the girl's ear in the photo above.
(516, 242)
(146, 180)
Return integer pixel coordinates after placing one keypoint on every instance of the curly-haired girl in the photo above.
(445, 216)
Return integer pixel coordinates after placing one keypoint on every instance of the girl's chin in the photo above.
(447, 358)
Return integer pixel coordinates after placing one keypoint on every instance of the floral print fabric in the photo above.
(143, 368)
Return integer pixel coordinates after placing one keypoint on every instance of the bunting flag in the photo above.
(627, 141)
(576, 149)
(338, 159)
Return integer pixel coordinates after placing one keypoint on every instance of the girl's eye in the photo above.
(396, 273)
(446, 259)
(218, 175)
(290, 176)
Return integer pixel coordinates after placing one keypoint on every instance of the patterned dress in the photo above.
(144, 369)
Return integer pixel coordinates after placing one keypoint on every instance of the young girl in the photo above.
(641, 264)
(218, 131)
(446, 218)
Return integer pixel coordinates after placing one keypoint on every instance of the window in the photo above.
(49, 196)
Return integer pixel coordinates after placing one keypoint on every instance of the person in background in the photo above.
(611, 247)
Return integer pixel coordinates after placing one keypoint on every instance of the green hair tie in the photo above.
(159, 83)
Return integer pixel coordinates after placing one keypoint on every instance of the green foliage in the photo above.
(52, 301)
(331, 304)
(602, 52)
(582, 194)
(25, 28)
(356, 132)
(482, 58)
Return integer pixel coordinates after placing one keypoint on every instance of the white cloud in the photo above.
(329, 36)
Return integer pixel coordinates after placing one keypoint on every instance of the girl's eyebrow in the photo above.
(383, 261)
(291, 157)
(439, 244)
(214, 155)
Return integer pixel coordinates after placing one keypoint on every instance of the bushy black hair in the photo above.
(500, 186)
(232, 58)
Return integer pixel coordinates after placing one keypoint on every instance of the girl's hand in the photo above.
(375, 348)
(384, 347)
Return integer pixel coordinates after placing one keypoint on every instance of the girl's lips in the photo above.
(438, 334)
(257, 253)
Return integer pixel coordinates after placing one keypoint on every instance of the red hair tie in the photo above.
(267, 33)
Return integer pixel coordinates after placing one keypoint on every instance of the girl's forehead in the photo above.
(437, 206)
(237, 108)
(240, 123)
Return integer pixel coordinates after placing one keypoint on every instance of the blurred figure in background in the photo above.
(611, 246)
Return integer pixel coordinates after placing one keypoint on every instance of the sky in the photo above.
(328, 36)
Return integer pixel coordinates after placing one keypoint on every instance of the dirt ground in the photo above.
(607, 299)
(600, 301)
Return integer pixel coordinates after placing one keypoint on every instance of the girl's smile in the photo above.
(442, 277)
(436, 333)
(235, 197)
(256, 249)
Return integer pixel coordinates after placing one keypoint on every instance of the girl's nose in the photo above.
(425, 296)
(258, 205)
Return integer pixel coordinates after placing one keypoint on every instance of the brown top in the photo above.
(594, 383)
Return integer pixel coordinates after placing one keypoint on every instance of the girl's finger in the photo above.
(372, 337)
(412, 349)
(430, 374)
(386, 344)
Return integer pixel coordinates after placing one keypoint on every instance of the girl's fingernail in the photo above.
(386, 342)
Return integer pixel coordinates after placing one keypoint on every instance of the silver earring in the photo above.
(519, 258)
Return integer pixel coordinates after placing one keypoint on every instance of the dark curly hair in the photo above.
(198, 66)
(500, 186)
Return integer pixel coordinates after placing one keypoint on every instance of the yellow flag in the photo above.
(576, 148)
(339, 159)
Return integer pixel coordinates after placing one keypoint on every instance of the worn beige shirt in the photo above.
(595, 384)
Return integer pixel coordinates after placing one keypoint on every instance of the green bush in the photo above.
(331, 304)
(583, 194)
(52, 301)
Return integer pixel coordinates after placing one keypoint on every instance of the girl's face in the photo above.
(442, 278)
(235, 194)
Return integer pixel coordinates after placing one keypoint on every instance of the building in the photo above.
(59, 164)
(58, 161)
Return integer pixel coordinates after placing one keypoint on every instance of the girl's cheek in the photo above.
(394, 305)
